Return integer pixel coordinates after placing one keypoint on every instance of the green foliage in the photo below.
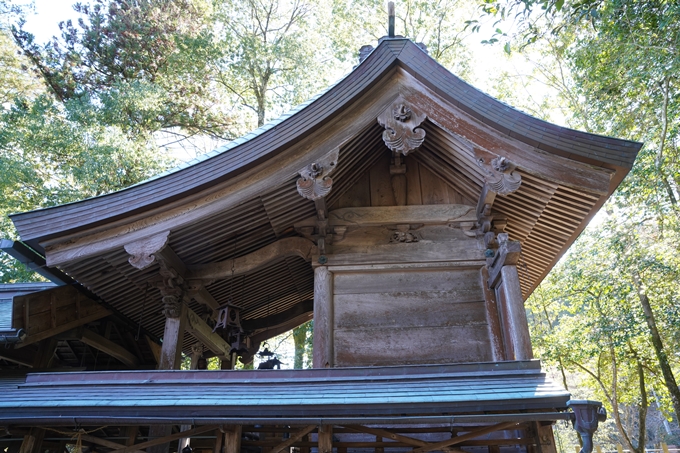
(122, 55)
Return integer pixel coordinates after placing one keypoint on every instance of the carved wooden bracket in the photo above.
(500, 175)
(143, 252)
(507, 254)
(401, 122)
(314, 182)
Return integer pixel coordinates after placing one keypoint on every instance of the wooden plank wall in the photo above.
(409, 317)
(374, 188)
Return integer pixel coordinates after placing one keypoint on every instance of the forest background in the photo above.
(133, 86)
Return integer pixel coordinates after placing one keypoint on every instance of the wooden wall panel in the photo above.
(422, 187)
(409, 316)
(381, 183)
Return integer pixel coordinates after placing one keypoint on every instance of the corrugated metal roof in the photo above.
(320, 393)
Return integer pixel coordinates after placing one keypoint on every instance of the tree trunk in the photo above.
(669, 378)
(300, 340)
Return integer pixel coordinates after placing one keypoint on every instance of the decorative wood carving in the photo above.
(401, 122)
(142, 252)
(404, 234)
(500, 175)
(314, 182)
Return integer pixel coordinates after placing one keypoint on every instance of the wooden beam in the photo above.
(281, 328)
(323, 318)
(203, 333)
(294, 246)
(380, 433)
(45, 355)
(105, 443)
(202, 296)
(268, 322)
(440, 214)
(166, 439)
(464, 437)
(109, 347)
(292, 439)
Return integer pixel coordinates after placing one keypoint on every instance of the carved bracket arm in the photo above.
(143, 252)
(315, 182)
(508, 253)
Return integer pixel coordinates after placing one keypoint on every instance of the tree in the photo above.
(270, 54)
(143, 63)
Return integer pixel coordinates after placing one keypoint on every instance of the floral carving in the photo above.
(314, 182)
(402, 132)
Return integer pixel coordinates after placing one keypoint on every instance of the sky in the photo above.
(488, 62)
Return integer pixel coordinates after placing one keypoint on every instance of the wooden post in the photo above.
(32, 441)
(516, 317)
(232, 439)
(323, 318)
(219, 442)
(173, 336)
(379, 449)
(325, 440)
(493, 319)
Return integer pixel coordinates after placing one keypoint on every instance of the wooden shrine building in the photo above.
(409, 214)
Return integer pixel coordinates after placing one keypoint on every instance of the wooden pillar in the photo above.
(232, 439)
(504, 280)
(518, 328)
(325, 439)
(219, 442)
(379, 449)
(32, 441)
(173, 336)
(493, 319)
(323, 318)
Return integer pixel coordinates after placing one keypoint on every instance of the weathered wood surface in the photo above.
(204, 334)
(323, 318)
(109, 347)
(407, 281)
(48, 313)
(509, 294)
(165, 439)
(33, 441)
(409, 316)
(325, 439)
(294, 246)
(106, 443)
(292, 439)
(441, 214)
(410, 346)
(493, 319)
(415, 252)
(173, 337)
(471, 435)
(232, 439)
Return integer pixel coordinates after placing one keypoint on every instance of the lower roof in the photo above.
(460, 393)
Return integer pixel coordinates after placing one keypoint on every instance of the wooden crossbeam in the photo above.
(166, 439)
(204, 333)
(380, 433)
(105, 443)
(293, 438)
(109, 347)
(471, 435)
(294, 246)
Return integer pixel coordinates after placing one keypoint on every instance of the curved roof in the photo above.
(266, 143)
(243, 196)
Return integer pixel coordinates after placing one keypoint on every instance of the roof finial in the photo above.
(390, 13)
